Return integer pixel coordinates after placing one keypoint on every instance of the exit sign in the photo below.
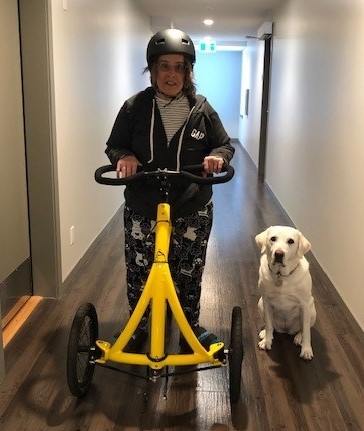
(208, 46)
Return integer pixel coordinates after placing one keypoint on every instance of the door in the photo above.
(15, 264)
(265, 107)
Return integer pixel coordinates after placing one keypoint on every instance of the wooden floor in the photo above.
(279, 391)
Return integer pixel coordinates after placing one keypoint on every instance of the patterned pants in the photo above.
(187, 257)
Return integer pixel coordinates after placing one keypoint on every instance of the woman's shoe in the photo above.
(205, 337)
(136, 341)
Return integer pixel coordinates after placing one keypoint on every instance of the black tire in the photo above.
(236, 354)
(81, 350)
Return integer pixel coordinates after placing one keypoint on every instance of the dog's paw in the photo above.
(306, 353)
(298, 339)
(265, 344)
(262, 334)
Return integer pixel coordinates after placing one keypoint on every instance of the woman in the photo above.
(168, 126)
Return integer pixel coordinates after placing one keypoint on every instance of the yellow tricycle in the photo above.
(85, 350)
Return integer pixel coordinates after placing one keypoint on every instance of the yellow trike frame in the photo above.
(159, 291)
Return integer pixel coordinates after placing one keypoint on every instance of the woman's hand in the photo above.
(127, 166)
(213, 164)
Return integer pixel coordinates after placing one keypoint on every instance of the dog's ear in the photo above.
(261, 240)
(304, 245)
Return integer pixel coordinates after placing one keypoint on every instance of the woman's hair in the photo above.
(189, 86)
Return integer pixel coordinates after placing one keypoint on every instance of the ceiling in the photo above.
(233, 19)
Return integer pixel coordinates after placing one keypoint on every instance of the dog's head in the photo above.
(282, 244)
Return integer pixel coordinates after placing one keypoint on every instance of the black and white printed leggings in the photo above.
(187, 256)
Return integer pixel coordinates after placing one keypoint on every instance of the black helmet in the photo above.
(170, 41)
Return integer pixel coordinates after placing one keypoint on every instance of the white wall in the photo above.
(99, 56)
(252, 70)
(217, 77)
(315, 154)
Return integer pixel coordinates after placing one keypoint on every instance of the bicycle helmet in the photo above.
(170, 41)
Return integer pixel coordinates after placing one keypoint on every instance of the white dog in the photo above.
(286, 304)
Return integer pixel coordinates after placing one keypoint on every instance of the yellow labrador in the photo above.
(285, 285)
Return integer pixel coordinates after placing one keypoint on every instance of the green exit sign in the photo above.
(208, 46)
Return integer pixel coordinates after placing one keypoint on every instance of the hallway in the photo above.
(279, 390)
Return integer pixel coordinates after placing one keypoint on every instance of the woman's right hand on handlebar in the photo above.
(127, 166)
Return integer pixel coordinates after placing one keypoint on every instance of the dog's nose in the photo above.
(278, 256)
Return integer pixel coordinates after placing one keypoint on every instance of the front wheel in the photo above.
(236, 353)
(81, 350)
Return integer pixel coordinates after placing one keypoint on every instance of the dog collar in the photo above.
(279, 275)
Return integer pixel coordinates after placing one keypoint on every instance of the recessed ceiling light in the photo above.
(208, 22)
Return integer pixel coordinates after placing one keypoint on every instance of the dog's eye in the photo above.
(273, 238)
(290, 241)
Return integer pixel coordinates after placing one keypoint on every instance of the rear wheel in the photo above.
(236, 354)
(82, 350)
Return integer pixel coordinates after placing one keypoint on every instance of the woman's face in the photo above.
(171, 72)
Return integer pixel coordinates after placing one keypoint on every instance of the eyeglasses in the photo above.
(166, 67)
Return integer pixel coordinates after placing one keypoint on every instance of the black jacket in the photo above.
(138, 130)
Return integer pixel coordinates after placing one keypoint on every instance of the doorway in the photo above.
(265, 107)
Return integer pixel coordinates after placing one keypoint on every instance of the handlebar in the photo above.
(163, 173)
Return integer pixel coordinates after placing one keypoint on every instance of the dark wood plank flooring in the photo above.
(280, 391)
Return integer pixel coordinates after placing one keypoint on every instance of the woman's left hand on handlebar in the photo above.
(213, 164)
